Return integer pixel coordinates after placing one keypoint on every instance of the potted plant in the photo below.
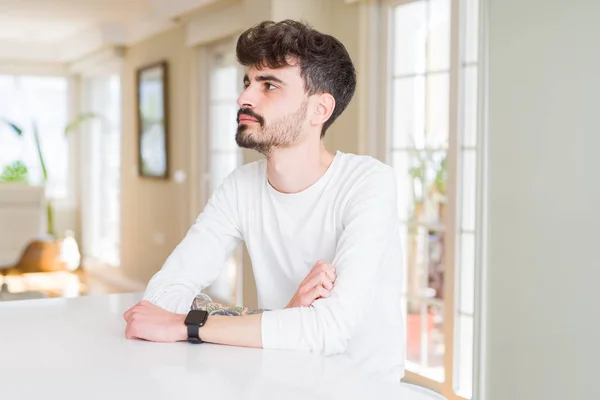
(15, 173)
(43, 254)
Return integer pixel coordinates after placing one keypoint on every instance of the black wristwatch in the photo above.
(194, 321)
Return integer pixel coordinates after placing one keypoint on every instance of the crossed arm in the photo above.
(370, 234)
(149, 322)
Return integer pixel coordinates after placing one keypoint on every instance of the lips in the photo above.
(244, 118)
(248, 116)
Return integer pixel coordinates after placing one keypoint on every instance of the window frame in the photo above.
(454, 152)
(88, 233)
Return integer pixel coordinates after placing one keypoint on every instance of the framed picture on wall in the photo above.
(153, 121)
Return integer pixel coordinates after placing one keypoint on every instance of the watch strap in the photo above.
(194, 334)
(194, 321)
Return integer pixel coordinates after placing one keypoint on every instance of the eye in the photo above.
(270, 86)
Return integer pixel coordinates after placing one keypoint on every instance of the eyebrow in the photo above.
(263, 78)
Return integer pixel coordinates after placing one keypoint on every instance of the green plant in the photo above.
(71, 126)
(423, 166)
(14, 127)
(441, 175)
(15, 172)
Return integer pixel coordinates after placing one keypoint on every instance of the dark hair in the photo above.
(325, 65)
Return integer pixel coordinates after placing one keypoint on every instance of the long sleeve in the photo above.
(197, 261)
(369, 237)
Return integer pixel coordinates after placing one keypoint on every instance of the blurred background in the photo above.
(117, 122)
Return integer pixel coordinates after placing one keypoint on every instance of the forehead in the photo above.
(288, 75)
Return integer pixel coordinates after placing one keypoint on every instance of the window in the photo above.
(43, 99)
(101, 205)
(431, 142)
(224, 155)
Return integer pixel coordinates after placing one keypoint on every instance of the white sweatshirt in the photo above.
(348, 218)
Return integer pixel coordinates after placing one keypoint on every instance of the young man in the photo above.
(321, 229)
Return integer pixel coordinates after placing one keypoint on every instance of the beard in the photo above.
(265, 138)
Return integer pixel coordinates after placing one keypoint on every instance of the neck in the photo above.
(293, 169)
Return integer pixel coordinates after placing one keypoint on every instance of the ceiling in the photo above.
(65, 30)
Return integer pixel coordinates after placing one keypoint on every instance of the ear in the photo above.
(325, 104)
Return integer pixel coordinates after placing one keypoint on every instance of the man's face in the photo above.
(273, 109)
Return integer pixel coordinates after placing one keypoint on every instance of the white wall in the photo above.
(544, 276)
(154, 213)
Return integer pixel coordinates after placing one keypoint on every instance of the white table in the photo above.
(76, 349)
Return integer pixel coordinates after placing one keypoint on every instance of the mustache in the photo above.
(250, 113)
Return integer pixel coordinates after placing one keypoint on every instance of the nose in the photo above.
(246, 99)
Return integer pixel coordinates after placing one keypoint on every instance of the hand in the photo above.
(149, 322)
(317, 284)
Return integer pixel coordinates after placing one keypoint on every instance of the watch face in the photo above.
(196, 317)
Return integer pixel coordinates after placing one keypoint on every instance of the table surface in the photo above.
(75, 348)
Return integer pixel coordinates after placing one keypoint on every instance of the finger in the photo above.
(329, 270)
(317, 280)
(328, 276)
(147, 304)
(135, 311)
(136, 307)
(311, 274)
(317, 293)
(129, 332)
(310, 278)
(128, 313)
(319, 267)
(324, 280)
(327, 284)
(327, 266)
